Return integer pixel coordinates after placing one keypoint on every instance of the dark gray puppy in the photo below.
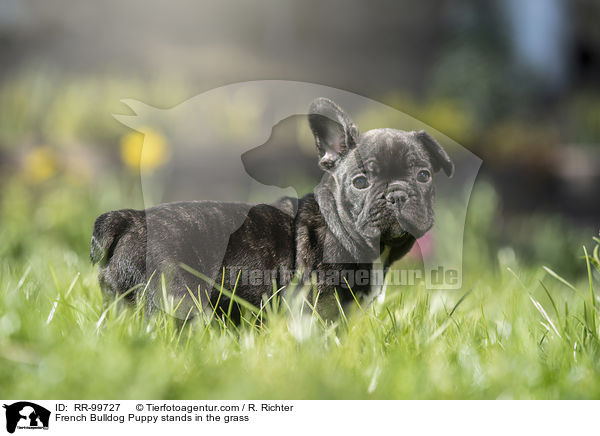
(376, 196)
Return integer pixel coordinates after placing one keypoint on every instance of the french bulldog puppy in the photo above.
(376, 196)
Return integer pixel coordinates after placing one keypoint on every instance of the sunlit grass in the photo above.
(519, 332)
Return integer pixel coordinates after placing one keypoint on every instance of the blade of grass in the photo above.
(449, 318)
(459, 302)
(540, 309)
(24, 277)
(551, 302)
(114, 303)
(72, 285)
(589, 274)
(226, 292)
(339, 305)
(354, 296)
(233, 292)
(563, 281)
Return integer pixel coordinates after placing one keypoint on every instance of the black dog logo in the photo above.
(28, 415)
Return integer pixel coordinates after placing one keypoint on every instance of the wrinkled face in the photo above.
(385, 185)
(381, 181)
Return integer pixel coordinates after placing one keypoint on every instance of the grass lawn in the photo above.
(514, 331)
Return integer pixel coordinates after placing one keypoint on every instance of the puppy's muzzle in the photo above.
(397, 194)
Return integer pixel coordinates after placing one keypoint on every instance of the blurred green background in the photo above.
(514, 82)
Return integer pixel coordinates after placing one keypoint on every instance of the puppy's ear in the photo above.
(335, 132)
(439, 157)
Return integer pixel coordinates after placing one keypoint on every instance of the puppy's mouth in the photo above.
(393, 224)
(390, 228)
(400, 228)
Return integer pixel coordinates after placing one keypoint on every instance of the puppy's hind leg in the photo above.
(118, 246)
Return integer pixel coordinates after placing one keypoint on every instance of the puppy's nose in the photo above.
(397, 197)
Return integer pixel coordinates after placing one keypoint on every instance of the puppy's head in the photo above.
(381, 181)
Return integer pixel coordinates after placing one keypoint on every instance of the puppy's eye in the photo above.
(360, 182)
(423, 176)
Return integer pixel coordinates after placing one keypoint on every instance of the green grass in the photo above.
(522, 331)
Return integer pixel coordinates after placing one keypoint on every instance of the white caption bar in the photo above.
(40, 417)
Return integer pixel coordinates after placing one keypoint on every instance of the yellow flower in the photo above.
(39, 164)
(148, 150)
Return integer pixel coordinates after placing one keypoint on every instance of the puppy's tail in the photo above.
(108, 229)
